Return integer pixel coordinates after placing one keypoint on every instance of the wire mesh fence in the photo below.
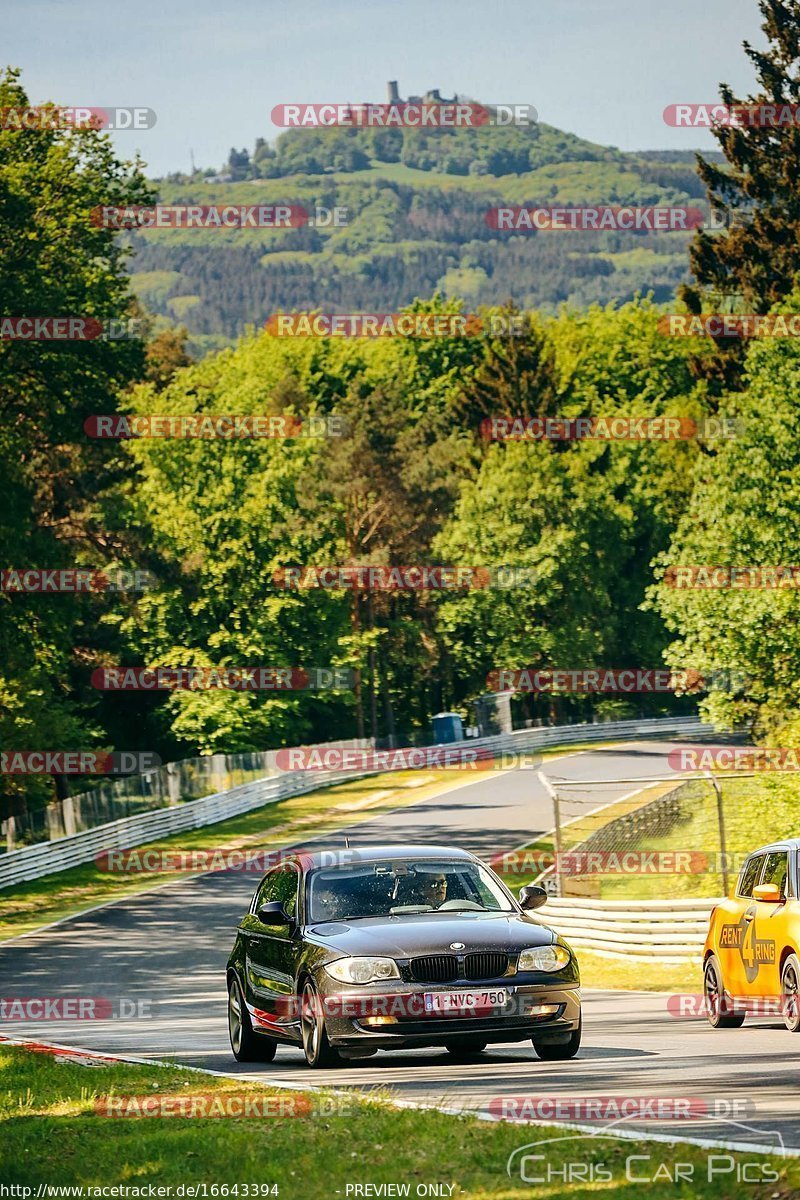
(681, 840)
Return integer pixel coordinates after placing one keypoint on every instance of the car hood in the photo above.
(431, 933)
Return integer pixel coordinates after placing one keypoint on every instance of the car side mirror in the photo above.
(532, 896)
(273, 913)
(768, 892)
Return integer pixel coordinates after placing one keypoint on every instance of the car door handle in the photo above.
(749, 917)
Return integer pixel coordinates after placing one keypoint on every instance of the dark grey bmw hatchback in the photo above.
(353, 951)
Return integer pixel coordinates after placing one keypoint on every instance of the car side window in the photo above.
(265, 892)
(750, 874)
(777, 870)
(280, 884)
(288, 879)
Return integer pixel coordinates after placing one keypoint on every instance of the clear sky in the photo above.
(604, 69)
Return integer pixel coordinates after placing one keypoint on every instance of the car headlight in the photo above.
(543, 958)
(362, 970)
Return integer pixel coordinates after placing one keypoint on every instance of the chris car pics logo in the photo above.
(579, 1157)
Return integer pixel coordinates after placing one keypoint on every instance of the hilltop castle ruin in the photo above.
(434, 96)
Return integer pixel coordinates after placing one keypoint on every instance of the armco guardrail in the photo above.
(654, 930)
(168, 785)
(46, 858)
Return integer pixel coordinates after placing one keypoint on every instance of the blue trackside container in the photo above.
(447, 727)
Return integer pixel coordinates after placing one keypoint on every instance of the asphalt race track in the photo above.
(169, 949)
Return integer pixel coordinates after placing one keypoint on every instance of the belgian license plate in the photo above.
(465, 1002)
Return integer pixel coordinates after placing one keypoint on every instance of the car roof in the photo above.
(783, 844)
(354, 854)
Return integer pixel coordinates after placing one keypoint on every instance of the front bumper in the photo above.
(362, 1019)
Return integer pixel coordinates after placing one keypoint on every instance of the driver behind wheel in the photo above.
(431, 888)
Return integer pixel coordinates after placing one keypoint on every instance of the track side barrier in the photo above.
(655, 930)
(47, 858)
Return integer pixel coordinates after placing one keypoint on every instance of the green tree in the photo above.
(586, 517)
(517, 374)
(56, 260)
(165, 354)
(755, 261)
(743, 513)
(544, 514)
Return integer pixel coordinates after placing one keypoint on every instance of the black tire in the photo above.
(790, 993)
(719, 1005)
(557, 1051)
(316, 1047)
(463, 1049)
(246, 1045)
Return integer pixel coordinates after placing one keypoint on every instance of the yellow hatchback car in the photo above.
(750, 959)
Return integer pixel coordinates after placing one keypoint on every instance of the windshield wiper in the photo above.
(466, 908)
(349, 917)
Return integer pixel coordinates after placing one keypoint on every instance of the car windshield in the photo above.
(403, 887)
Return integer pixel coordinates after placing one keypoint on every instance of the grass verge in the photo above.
(51, 1133)
(630, 974)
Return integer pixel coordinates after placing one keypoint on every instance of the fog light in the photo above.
(379, 1020)
(543, 1010)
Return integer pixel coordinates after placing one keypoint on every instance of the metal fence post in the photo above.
(545, 782)
(723, 844)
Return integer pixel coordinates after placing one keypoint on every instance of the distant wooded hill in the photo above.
(416, 204)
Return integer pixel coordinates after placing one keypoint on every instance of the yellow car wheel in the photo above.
(719, 1004)
(790, 993)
